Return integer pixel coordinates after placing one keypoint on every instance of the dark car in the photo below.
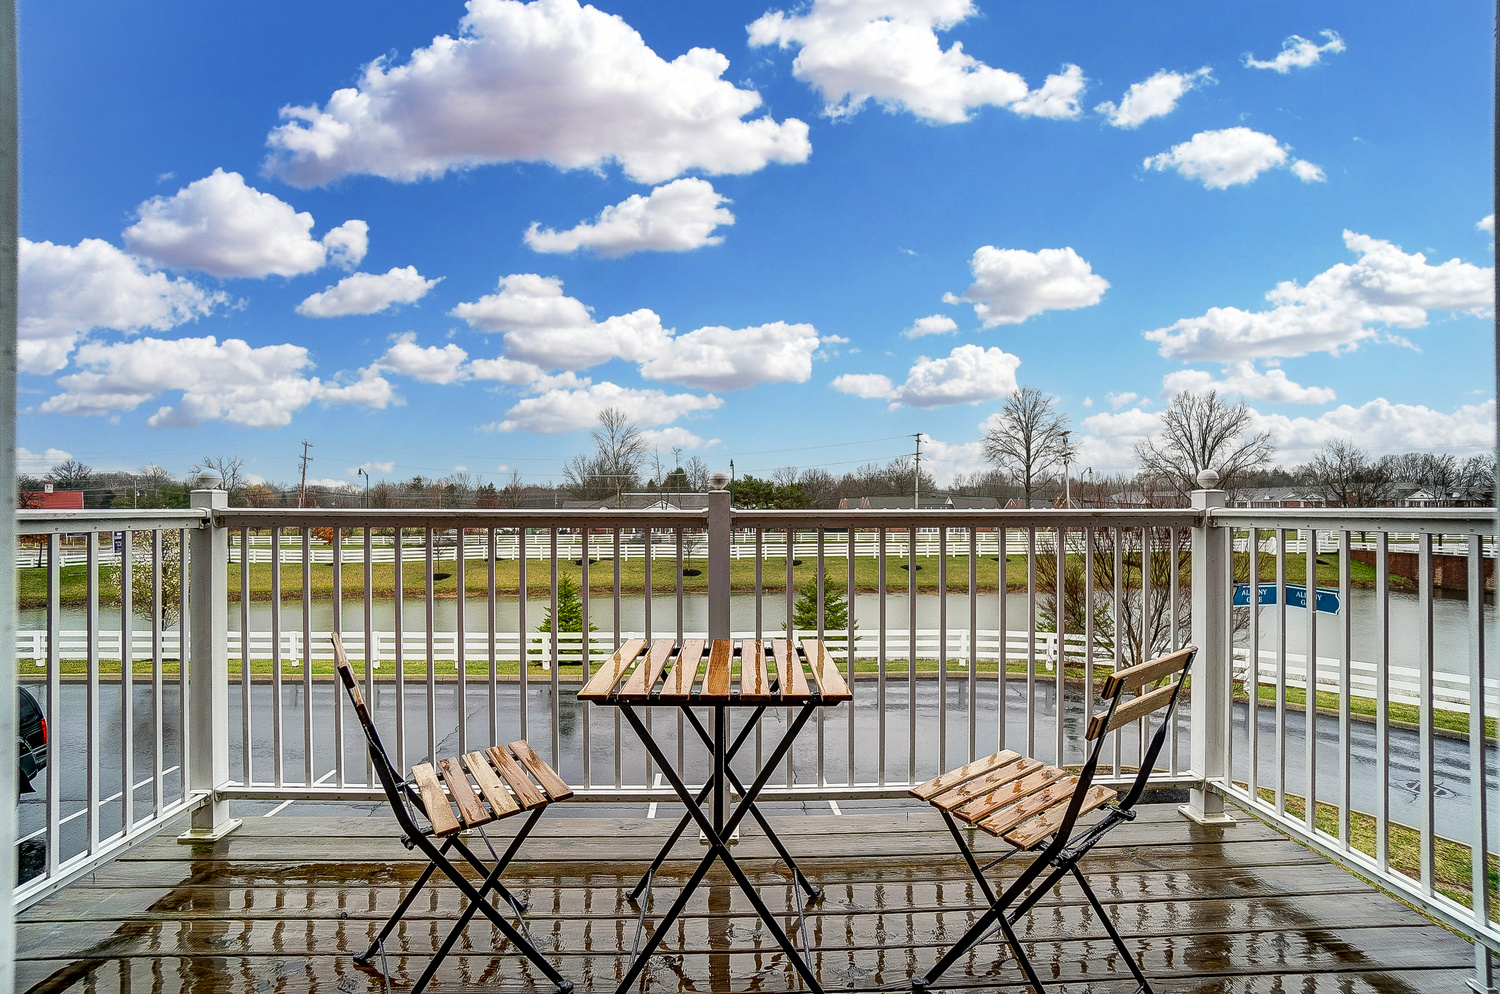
(31, 740)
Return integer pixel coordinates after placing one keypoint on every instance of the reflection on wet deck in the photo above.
(1240, 909)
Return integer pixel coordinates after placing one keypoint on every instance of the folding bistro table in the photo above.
(723, 674)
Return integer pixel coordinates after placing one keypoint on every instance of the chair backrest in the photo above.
(1154, 688)
(390, 777)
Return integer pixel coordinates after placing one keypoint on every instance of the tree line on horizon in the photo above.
(1028, 444)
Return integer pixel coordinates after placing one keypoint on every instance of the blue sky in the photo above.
(435, 236)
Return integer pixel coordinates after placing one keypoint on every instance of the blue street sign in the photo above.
(1296, 596)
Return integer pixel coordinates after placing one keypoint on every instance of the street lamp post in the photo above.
(366, 475)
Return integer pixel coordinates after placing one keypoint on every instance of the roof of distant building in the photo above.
(55, 500)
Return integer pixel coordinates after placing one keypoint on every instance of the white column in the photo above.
(1208, 707)
(207, 656)
(720, 529)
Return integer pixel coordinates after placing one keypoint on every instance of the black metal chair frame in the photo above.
(1061, 855)
(403, 796)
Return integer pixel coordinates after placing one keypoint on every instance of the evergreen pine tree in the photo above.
(805, 611)
(569, 613)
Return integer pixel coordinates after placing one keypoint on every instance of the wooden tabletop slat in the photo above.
(603, 682)
(755, 677)
(490, 784)
(640, 683)
(798, 688)
(1029, 833)
(434, 801)
(684, 676)
(783, 666)
(962, 774)
(527, 794)
(716, 684)
(831, 685)
(553, 784)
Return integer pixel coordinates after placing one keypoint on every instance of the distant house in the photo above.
(49, 499)
(936, 501)
(1277, 497)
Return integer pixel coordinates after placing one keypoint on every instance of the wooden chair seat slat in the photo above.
(543, 774)
(1034, 803)
(434, 801)
(527, 794)
(755, 676)
(490, 785)
(609, 673)
(1029, 833)
(639, 685)
(684, 673)
(1017, 791)
(716, 684)
(796, 685)
(962, 793)
(461, 791)
(962, 774)
(831, 685)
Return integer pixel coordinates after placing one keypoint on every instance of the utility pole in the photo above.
(302, 490)
(916, 487)
(731, 483)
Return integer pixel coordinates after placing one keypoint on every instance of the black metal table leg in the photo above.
(716, 836)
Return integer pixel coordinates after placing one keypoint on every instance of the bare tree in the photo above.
(1030, 437)
(785, 476)
(71, 475)
(1199, 431)
(615, 464)
(698, 475)
(820, 487)
(1477, 480)
(1347, 477)
(231, 469)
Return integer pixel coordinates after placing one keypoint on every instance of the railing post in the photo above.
(720, 531)
(207, 659)
(1213, 670)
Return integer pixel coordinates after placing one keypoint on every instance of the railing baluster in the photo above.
(911, 655)
(556, 654)
(942, 698)
(1425, 758)
(91, 726)
(1252, 707)
(1001, 705)
(523, 635)
(1281, 674)
(849, 673)
(1060, 617)
(973, 657)
(1031, 640)
(584, 660)
(1310, 710)
(1383, 701)
(309, 775)
(460, 639)
(127, 682)
(429, 640)
(880, 661)
(58, 738)
(1346, 691)
(372, 651)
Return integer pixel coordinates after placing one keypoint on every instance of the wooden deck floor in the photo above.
(1240, 909)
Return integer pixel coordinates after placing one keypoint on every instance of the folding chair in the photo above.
(1026, 803)
(484, 786)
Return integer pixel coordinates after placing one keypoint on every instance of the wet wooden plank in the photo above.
(462, 791)
(640, 683)
(831, 685)
(716, 684)
(490, 784)
(790, 673)
(962, 774)
(556, 789)
(603, 682)
(684, 674)
(526, 793)
(755, 678)
(434, 801)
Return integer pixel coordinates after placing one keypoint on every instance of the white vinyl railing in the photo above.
(139, 745)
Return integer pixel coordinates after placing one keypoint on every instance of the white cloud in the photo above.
(368, 293)
(1298, 52)
(1056, 98)
(564, 410)
(69, 290)
(511, 372)
(221, 226)
(945, 460)
(429, 364)
(967, 375)
(718, 358)
(544, 326)
(1119, 400)
(1486, 223)
(678, 217)
(933, 324)
(666, 439)
(550, 81)
(1242, 379)
(1109, 440)
(1336, 309)
(1307, 172)
(1156, 96)
(1221, 159)
(30, 463)
(1011, 285)
(230, 381)
(1382, 427)
(855, 51)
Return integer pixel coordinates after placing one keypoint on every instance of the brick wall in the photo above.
(1448, 572)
